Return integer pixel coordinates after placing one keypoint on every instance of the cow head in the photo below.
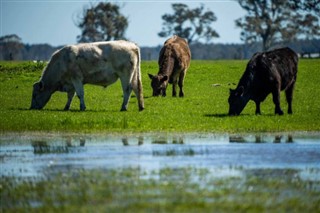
(159, 84)
(237, 100)
(40, 96)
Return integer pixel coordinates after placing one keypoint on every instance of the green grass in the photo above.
(166, 190)
(203, 109)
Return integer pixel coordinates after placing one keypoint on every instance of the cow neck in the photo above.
(247, 80)
(166, 66)
(50, 75)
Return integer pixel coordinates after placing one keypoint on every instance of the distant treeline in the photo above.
(200, 51)
(11, 48)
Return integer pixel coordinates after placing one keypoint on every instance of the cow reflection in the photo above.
(125, 141)
(175, 140)
(45, 147)
(278, 138)
(260, 139)
(161, 140)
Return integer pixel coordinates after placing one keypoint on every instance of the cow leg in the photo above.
(258, 112)
(70, 97)
(138, 91)
(127, 89)
(164, 92)
(80, 92)
(181, 81)
(174, 87)
(276, 100)
(289, 95)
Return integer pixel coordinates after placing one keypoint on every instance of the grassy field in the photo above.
(167, 190)
(203, 109)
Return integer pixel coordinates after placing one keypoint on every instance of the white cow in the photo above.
(99, 63)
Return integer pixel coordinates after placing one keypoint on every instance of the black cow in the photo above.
(267, 72)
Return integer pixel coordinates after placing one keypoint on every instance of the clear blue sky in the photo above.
(53, 21)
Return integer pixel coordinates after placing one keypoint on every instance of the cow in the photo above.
(174, 61)
(98, 63)
(266, 72)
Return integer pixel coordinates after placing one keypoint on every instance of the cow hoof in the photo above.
(141, 109)
(279, 113)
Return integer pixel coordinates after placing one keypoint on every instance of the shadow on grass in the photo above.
(217, 115)
(62, 110)
(225, 115)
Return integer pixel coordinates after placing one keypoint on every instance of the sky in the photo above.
(53, 21)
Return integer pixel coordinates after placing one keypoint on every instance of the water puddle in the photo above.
(224, 155)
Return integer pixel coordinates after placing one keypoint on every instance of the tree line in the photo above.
(12, 48)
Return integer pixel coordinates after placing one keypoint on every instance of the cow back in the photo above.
(176, 48)
(263, 68)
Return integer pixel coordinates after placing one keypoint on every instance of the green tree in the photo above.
(11, 48)
(272, 21)
(102, 22)
(191, 24)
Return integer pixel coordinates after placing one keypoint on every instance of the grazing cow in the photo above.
(267, 72)
(174, 60)
(99, 63)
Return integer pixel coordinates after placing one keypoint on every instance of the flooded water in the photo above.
(224, 155)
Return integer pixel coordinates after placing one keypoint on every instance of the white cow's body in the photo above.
(99, 63)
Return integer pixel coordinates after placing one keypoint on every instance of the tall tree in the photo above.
(102, 22)
(272, 21)
(191, 24)
(11, 47)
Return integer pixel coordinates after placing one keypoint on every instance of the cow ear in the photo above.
(164, 78)
(150, 76)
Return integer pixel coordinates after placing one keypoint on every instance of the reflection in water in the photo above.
(290, 174)
(237, 139)
(165, 140)
(125, 141)
(159, 140)
(44, 147)
(187, 151)
(140, 140)
(277, 138)
(259, 139)
(177, 140)
(35, 155)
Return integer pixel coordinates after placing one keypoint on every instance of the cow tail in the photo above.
(139, 80)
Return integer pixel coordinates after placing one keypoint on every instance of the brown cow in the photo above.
(174, 60)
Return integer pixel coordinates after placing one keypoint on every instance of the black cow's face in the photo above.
(40, 96)
(237, 101)
(159, 84)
